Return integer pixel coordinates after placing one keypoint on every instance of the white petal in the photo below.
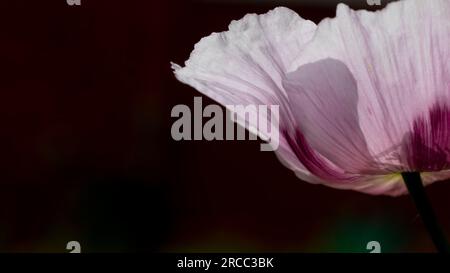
(245, 65)
(400, 58)
(323, 97)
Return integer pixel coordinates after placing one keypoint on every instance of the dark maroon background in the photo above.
(87, 155)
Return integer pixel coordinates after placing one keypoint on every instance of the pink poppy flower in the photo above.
(364, 96)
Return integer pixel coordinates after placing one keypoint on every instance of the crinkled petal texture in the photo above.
(363, 96)
(246, 64)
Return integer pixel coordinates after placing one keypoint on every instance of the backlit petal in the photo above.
(245, 65)
(400, 58)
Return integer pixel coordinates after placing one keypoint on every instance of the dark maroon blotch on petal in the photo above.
(427, 147)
